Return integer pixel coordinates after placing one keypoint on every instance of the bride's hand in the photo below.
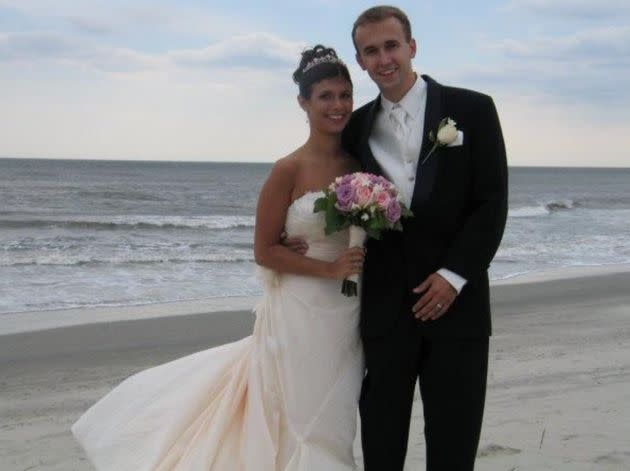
(348, 263)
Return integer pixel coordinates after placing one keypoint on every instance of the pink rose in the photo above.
(382, 199)
(363, 195)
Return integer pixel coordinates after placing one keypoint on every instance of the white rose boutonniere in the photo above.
(446, 134)
(447, 131)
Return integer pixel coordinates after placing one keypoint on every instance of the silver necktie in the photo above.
(398, 118)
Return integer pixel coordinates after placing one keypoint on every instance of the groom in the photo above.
(425, 296)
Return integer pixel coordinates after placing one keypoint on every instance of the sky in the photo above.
(211, 80)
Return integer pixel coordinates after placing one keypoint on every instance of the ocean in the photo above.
(80, 233)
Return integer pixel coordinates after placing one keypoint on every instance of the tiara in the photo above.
(327, 59)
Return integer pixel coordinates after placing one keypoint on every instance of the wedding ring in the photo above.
(438, 305)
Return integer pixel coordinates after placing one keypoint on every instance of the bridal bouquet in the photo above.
(367, 204)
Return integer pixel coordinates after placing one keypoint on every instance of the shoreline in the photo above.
(32, 321)
(562, 273)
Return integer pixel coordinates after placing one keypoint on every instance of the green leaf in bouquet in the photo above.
(379, 221)
(321, 204)
(406, 212)
(373, 225)
(373, 233)
(334, 220)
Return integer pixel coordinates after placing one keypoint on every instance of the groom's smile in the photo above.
(388, 72)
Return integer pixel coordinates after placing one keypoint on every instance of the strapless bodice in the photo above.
(301, 221)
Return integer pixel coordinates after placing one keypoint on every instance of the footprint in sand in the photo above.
(497, 450)
(614, 458)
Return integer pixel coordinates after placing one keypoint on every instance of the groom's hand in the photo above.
(437, 296)
(295, 244)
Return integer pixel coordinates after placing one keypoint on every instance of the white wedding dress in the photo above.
(283, 399)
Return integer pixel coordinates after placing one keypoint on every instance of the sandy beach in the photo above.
(558, 390)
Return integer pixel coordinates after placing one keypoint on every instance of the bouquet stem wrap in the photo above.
(357, 239)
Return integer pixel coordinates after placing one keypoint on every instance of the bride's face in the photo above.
(330, 105)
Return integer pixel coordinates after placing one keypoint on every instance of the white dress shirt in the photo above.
(396, 147)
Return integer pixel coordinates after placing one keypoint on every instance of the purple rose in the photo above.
(345, 197)
(374, 179)
(384, 181)
(392, 214)
(346, 179)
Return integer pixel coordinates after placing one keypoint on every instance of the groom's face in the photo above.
(385, 53)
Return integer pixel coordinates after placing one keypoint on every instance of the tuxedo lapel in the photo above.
(368, 160)
(425, 174)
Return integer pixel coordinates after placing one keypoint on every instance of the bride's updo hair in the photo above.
(317, 64)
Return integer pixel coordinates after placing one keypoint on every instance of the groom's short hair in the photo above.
(381, 13)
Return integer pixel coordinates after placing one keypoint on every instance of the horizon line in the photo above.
(250, 162)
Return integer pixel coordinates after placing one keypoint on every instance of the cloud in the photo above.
(575, 9)
(543, 84)
(602, 46)
(90, 25)
(78, 34)
(63, 49)
(256, 50)
(591, 66)
(55, 9)
(181, 20)
(252, 50)
(99, 16)
(28, 46)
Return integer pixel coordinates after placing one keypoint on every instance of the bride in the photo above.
(284, 398)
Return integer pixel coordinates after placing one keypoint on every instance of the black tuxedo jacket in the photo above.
(460, 208)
